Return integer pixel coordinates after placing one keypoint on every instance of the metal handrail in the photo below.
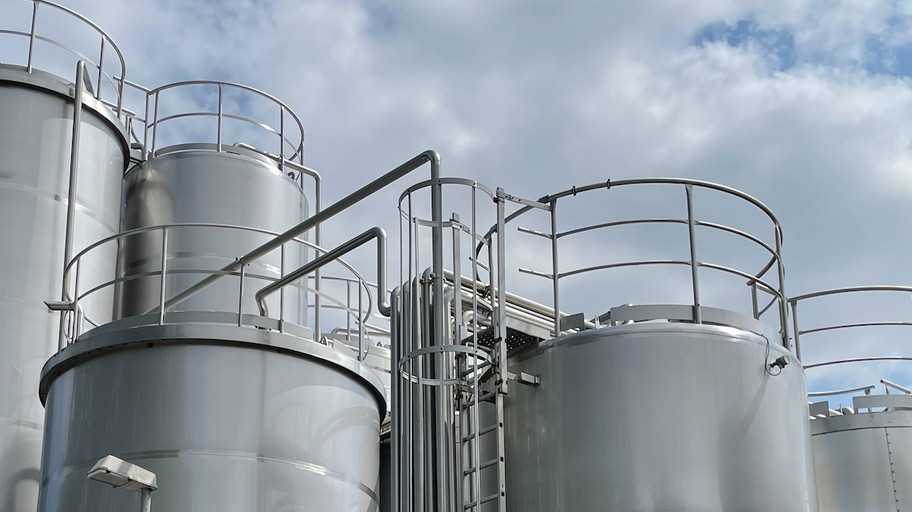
(290, 147)
(75, 297)
(793, 303)
(850, 290)
(98, 64)
(755, 280)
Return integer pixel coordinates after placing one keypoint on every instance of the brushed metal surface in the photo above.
(229, 419)
(658, 416)
(35, 131)
(863, 461)
(200, 186)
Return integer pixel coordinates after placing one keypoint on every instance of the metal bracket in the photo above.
(59, 305)
(574, 321)
(525, 378)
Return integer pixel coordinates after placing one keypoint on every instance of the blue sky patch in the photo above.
(777, 45)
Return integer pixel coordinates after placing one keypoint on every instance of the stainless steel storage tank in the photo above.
(568, 402)
(36, 133)
(658, 416)
(861, 437)
(229, 419)
(230, 409)
(238, 198)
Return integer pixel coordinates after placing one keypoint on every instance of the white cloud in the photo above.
(540, 96)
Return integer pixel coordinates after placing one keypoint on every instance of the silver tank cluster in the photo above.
(174, 326)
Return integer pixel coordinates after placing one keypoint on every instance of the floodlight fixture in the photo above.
(125, 475)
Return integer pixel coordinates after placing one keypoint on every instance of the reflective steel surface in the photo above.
(35, 132)
(201, 186)
(658, 416)
(229, 419)
(863, 461)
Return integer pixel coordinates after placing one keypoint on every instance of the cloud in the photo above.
(802, 104)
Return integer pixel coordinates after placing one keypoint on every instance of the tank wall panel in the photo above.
(864, 462)
(35, 134)
(225, 428)
(652, 417)
(217, 188)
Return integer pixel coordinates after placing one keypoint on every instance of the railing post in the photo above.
(98, 85)
(694, 264)
(155, 123)
(282, 291)
(555, 268)
(31, 48)
(281, 153)
(76, 307)
(754, 305)
(218, 140)
(164, 276)
(794, 304)
(242, 275)
(783, 310)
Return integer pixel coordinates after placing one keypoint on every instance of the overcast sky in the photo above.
(805, 105)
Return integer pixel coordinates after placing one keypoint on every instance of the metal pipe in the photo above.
(694, 265)
(70, 228)
(395, 422)
(318, 229)
(145, 500)
(429, 156)
(343, 249)
(74, 163)
(887, 384)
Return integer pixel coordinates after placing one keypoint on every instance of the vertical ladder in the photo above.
(481, 415)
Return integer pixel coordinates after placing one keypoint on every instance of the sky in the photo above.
(804, 105)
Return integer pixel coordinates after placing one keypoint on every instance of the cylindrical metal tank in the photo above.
(862, 460)
(861, 437)
(658, 416)
(229, 419)
(36, 125)
(241, 191)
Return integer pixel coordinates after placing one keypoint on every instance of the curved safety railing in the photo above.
(282, 138)
(89, 305)
(107, 71)
(451, 344)
(862, 364)
(765, 284)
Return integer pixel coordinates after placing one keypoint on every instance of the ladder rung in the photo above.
(483, 465)
(484, 397)
(483, 501)
(481, 432)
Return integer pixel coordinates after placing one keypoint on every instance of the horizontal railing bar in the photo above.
(849, 326)
(866, 389)
(852, 289)
(858, 360)
(620, 223)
